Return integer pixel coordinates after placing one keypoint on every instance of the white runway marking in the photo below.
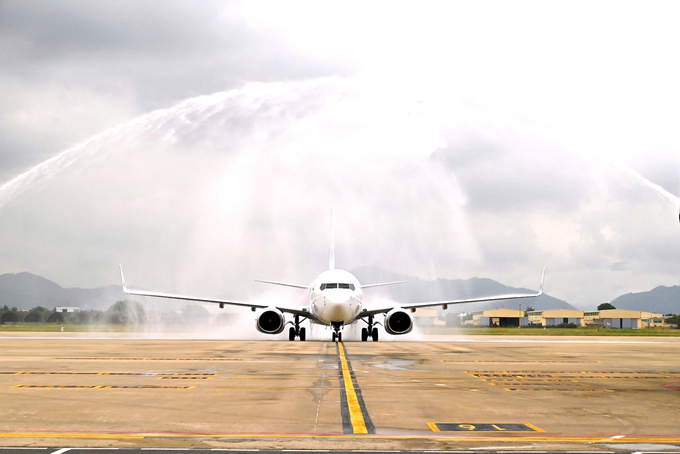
(61, 451)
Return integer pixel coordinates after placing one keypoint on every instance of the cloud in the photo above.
(74, 68)
(453, 139)
(241, 183)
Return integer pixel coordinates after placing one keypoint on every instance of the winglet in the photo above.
(331, 258)
(122, 278)
(540, 290)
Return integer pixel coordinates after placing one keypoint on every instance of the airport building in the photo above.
(555, 317)
(609, 319)
(624, 318)
(499, 317)
(67, 309)
(427, 317)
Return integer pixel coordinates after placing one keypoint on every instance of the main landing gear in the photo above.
(371, 331)
(297, 331)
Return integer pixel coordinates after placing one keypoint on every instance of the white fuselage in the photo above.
(336, 297)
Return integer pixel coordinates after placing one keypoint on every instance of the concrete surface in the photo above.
(564, 393)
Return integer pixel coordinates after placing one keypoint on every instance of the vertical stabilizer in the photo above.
(331, 258)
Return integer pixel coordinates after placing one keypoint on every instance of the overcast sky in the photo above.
(453, 139)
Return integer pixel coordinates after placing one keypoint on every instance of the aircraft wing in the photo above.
(462, 301)
(303, 312)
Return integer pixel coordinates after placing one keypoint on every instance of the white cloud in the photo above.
(472, 138)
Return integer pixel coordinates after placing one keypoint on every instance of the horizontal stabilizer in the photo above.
(382, 284)
(283, 284)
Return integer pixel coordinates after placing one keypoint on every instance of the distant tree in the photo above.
(39, 309)
(14, 309)
(566, 325)
(452, 319)
(605, 306)
(126, 313)
(193, 313)
(4, 308)
(673, 319)
(80, 317)
(529, 309)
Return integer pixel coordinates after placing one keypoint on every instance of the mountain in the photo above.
(26, 290)
(662, 300)
(415, 290)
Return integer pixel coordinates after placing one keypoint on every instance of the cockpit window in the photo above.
(342, 286)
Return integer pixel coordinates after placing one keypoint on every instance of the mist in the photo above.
(204, 197)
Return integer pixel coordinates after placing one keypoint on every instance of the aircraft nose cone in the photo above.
(338, 311)
(337, 297)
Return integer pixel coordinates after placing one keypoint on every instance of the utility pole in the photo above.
(520, 316)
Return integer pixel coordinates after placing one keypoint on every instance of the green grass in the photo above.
(476, 331)
(469, 331)
(68, 327)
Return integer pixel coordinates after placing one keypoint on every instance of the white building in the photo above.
(67, 309)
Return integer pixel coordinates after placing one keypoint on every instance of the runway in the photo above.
(505, 393)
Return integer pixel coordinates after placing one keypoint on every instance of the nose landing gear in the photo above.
(337, 335)
(297, 331)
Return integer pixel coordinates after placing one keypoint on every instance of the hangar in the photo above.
(427, 317)
(499, 317)
(609, 319)
(555, 317)
(34, 317)
(10, 317)
(624, 318)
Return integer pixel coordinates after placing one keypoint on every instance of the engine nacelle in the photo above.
(398, 321)
(271, 321)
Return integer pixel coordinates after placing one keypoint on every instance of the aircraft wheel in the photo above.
(339, 337)
(334, 339)
(303, 334)
(364, 334)
(374, 334)
(291, 334)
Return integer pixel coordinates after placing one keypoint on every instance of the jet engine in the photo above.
(271, 321)
(398, 321)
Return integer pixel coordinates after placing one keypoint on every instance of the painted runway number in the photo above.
(482, 427)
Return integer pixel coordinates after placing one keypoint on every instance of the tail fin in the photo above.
(122, 278)
(331, 258)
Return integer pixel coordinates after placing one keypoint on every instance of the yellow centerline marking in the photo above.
(355, 415)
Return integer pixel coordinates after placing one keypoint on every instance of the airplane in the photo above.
(335, 300)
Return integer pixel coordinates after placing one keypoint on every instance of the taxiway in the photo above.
(465, 393)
